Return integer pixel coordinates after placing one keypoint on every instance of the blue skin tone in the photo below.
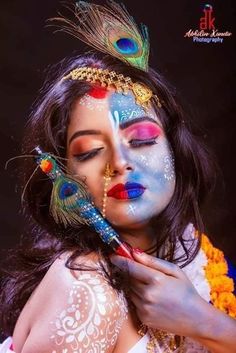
(150, 174)
(145, 164)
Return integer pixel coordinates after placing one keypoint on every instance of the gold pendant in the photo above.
(142, 93)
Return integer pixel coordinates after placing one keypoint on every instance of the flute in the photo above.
(71, 205)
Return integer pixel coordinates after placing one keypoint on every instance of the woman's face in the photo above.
(109, 127)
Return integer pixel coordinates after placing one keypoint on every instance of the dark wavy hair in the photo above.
(45, 240)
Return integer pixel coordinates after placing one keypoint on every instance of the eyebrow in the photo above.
(84, 132)
(137, 120)
(123, 126)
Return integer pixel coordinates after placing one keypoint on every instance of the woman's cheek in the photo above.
(155, 162)
(93, 176)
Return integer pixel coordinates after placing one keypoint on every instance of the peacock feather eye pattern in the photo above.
(126, 46)
(109, 29)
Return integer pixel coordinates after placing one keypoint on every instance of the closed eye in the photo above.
(140, 143)
(81, 157)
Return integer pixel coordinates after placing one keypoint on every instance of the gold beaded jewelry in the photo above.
(110, 79)
(107, 177)
(168, 341)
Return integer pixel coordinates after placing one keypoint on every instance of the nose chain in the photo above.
(169, 342)
(107, 177)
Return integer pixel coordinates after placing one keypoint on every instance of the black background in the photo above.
(203, 74)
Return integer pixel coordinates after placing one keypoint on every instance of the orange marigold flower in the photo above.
(221, 284)
(216, 269)
(227, 298)
(232, 314)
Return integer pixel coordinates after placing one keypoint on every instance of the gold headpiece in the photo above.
(110, 79)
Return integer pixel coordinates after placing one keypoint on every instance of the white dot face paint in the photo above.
(151, 161)
(133, 142)
(169, 167)
(93, 317)
(126, 108)
(92, 103)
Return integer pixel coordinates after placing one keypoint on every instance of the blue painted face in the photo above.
(149, 158)
(124, 107)
(133, 142)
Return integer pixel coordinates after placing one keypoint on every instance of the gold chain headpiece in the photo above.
(111, 79)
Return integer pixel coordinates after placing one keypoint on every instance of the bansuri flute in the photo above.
(71, 205)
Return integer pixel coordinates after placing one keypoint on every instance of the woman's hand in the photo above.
(166, 299)
(163, 295)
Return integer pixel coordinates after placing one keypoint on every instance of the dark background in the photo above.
(203, 74)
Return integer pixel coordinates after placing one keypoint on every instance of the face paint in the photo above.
(133, 142)
(92, 103)
(131, 210)
(148, 188)
(169, 167)
(98, 92)
(143, 131)
(126, 107)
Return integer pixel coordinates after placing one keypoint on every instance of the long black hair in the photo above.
(45, 240)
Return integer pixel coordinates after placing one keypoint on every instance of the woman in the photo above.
(64, 292)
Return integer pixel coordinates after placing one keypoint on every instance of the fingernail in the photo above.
(138, 251)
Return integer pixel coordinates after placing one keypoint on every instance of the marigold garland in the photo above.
(221, 285)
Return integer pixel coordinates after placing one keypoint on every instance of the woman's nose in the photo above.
(119, 163)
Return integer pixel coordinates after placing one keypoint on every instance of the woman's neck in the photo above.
(143, 238)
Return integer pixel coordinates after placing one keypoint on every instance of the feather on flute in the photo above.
(71, 205)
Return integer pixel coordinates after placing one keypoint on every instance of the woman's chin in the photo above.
(123, 222)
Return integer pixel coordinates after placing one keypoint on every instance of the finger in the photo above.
(140, 309)
(138, 287)
(153, 262)
(137, 270)
(135, 298)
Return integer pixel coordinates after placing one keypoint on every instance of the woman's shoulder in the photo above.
(73, 310)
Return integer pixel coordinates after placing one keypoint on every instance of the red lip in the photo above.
(128, 191)
(116, 188)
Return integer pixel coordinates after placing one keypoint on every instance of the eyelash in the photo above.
(139, 143)
(87, 155)
(135, 143)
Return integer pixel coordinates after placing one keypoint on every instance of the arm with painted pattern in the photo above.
(87, 320)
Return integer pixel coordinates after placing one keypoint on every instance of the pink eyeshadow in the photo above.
(143, 130)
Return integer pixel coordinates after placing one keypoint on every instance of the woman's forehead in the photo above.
(121, 108)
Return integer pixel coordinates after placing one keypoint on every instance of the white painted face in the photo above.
(115, 130)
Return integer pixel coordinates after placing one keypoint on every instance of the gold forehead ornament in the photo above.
(110, 79)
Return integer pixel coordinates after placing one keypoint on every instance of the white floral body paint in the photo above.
(92, 320)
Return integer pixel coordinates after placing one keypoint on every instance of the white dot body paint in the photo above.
(92, 320)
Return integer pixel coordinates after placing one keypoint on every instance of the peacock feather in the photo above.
(65, 192)
(111, 30)
(70, 203)
(64, 201)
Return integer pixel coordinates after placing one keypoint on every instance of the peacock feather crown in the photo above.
(109, 29)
